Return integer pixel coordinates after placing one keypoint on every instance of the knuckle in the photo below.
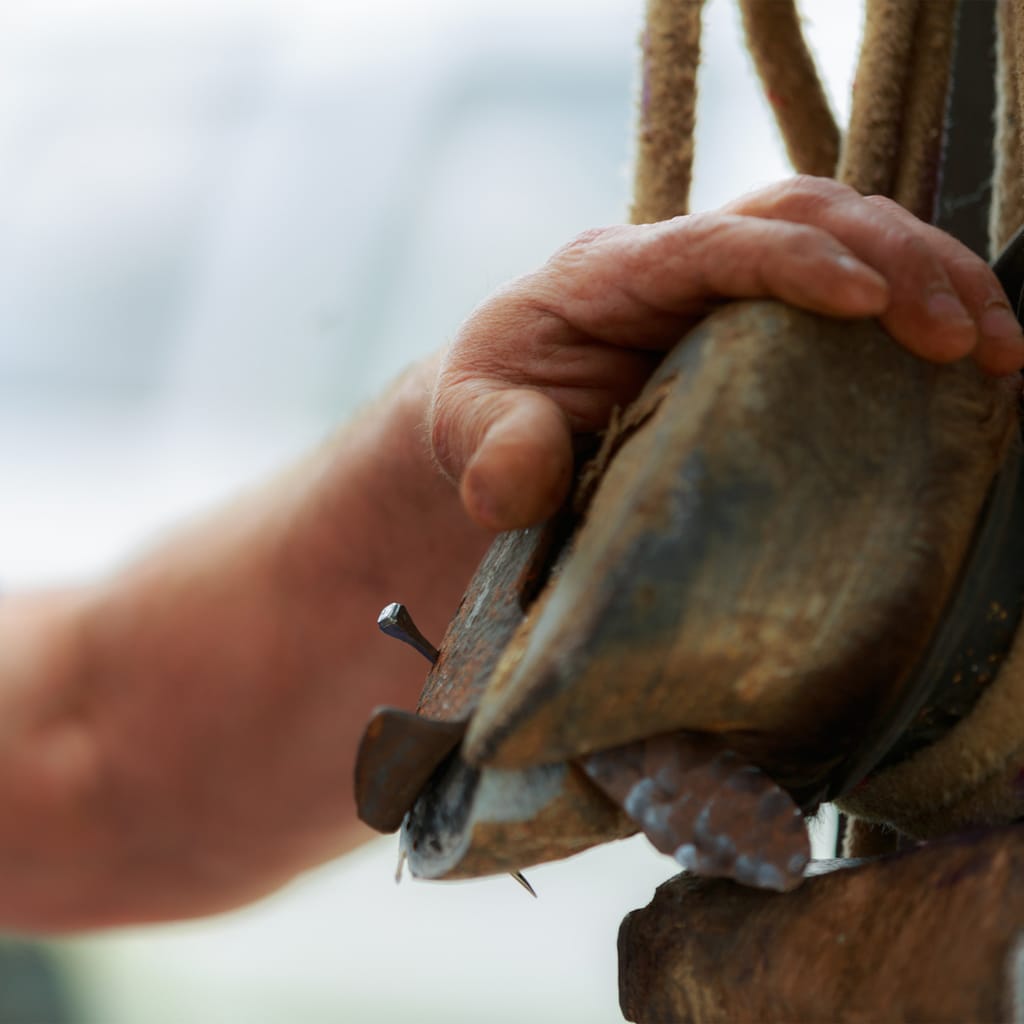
(803, 196)
(451, 415)
(441, 429)
(469, 392)
(581, 245)
(971, 266)
(710, 234)
(809, 184)
(811, 190)
(886, 205)
(800, 238)
(689, 235)
(912, 249)
(576, 275)
(701, 225)
(975, 279)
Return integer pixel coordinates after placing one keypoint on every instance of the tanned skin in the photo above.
(179, 739)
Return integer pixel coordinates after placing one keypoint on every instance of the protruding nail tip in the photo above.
(521, 879)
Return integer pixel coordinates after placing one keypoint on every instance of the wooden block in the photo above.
(928, 935)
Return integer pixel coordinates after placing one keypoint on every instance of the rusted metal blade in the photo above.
(397, 755)
(702, 804)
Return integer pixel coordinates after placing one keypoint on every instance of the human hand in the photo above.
(553, 353)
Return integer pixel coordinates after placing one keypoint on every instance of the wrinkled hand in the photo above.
(553, 352)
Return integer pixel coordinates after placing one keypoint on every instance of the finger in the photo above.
(510, 449)
(640, 286)
(1000, 346)
(940, 293)
(514, 384)
(516, 339)
(924, 313)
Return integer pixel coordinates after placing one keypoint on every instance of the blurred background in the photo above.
(222, 226)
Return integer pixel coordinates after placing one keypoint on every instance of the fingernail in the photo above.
(999, 324)
(943, 305)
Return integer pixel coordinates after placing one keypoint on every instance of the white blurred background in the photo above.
(222, 226)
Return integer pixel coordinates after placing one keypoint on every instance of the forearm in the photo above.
(216, 690)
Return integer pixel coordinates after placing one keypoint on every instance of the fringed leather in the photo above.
(668, 104)
(1007, 211)
(871, 150)
(916, 179)
(792, 85)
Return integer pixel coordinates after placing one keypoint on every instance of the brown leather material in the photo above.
(700, 803)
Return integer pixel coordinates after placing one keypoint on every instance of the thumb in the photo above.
(510, 449)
